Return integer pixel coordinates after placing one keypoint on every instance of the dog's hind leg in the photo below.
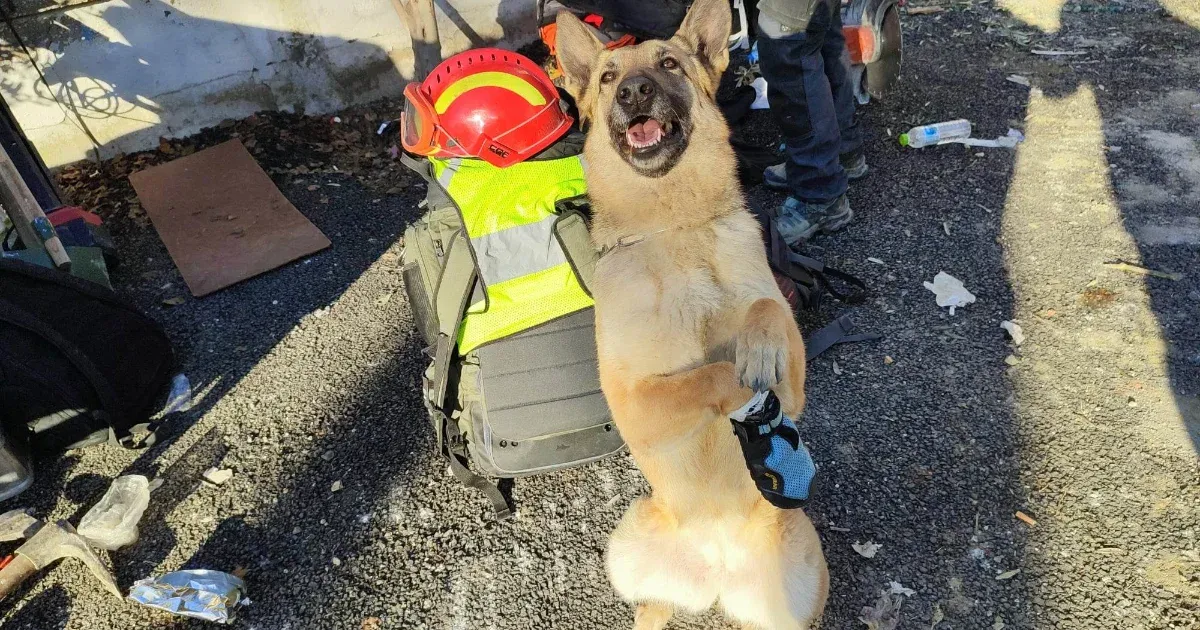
(652, 616)
(652, 567)
(785, 587)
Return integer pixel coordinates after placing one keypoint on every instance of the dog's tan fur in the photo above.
(684, 318)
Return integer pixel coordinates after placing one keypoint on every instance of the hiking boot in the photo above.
(799, 221)
(855, 165)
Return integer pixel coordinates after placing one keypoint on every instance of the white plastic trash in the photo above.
(760, 94)
(113, 522)
(949, 291)
(16, 473)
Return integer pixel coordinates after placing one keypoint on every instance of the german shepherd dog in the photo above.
(689, 323)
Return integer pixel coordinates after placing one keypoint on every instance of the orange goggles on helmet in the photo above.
(420, 132)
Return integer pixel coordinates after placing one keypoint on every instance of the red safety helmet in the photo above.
(485, 103)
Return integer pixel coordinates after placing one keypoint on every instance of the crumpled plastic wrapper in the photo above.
(198, 593)
(949, 291)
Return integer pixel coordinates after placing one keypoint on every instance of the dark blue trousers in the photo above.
(810, 93)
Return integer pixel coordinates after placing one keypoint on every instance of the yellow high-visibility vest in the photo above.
(509, 217)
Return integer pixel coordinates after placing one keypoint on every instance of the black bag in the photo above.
(78, 365)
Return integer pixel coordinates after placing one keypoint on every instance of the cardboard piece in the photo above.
(222, 219)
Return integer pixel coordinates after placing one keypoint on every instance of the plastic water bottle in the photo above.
(926, 135)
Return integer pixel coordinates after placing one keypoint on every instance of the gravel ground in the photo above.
(931, 440)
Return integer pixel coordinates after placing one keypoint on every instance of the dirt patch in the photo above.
(1097, 297)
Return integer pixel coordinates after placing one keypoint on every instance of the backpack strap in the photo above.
(450, 300)
(454, 290)
(837, 331)
(420, 167)
(803, 269)
(456, 452)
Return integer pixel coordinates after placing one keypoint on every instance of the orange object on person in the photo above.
(860, 42)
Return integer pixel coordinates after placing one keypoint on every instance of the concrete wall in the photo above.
(121, 73)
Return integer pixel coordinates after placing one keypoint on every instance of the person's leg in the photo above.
(792, 36)
(801, 98)
(837, 70)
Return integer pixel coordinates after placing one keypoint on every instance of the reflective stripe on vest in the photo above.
(509, 217)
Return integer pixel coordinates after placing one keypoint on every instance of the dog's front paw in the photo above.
(762, 359)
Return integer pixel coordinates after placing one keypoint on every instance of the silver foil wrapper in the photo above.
(198, 593)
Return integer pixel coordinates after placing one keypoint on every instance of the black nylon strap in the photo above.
(454, 450)
(837, 331)
(803, 269)
(499, 504)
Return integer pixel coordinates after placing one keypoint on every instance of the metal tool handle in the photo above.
(14, 573)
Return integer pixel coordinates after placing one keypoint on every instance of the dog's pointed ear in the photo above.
(705, 32)
(578, 49)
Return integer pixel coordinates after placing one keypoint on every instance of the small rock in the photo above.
(295, 530)
(336, 486)
(888, 360)
(217, 476)
(337, 562)
(1011, 360)
(327, 455)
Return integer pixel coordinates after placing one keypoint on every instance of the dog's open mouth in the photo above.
(645, 133)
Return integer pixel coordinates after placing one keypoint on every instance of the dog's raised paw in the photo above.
(761, 362)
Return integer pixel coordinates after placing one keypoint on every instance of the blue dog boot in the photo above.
(779, 463)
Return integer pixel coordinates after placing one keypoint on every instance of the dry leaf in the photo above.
(888, 360)
(837, 369)
(239, 572)
(1008, 575)
(925, 10)
(999, 624)
(938, 616)
(867, 549)
(313, 187)
(372, 623)
(896, 588)
(174, 301)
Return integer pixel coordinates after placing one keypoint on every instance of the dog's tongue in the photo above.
(645, 134)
